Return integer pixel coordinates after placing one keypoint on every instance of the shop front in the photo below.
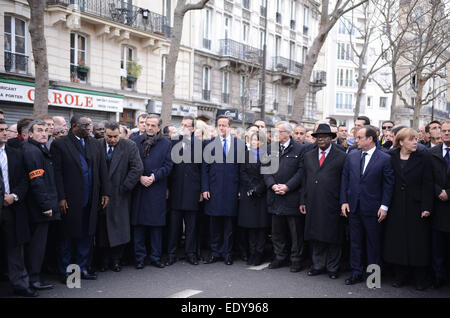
(17, 99)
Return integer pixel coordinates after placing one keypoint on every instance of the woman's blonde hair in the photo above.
(404, 134)
(202, 130)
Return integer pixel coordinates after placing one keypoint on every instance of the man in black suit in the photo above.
(429, 129)
(140, 125)
(83, 187)
(324, 226)
(185, 191)
(441, 213)
(283, 200)
(14, 218)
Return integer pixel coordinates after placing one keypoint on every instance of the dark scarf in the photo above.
(149, 142)
(41, 147)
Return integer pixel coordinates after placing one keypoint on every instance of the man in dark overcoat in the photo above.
(324, 226)
(283, 200)
(440, 158)
(124, 170)
(14, 216)
(185, 191)
(42, 198)
(220, 188)
(83, 188)
(148, 213)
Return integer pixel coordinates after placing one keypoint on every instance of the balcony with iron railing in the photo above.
(240, 51)
(120, 12)
(284, 65)
(319, 78)
(16, 63)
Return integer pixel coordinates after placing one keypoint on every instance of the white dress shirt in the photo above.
(4, 161)
(327, 151)
(228, 138)
(368, 157)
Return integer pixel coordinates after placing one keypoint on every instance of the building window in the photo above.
(245, 31)
(261, 39)
(413, 101)
(78, 65)
(344, 101)
(304, 53)
(246, 4)
(305, 20)
(383, 102)
(163, 70)
(278, 13)
(276, 90)
(293, 17)
(167, 10)
(206, 94)
(226, 87)
(277, 45)
(292, 51)
(290, 100)
(15, 45)
(344, 77)
(260, 87)
(344, 51)
(127, 56)
(227, 27)
(207, 29)
(369, 101)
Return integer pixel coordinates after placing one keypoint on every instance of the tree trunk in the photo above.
(303, 86)
(39, 45)
(394, 97)
(168, 91)
(419, 101)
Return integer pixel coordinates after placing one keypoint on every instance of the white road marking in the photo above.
(259, 267)
(186, 293)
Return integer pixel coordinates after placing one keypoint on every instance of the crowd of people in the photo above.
(101, 194)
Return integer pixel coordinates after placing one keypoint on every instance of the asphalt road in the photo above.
(221, 281)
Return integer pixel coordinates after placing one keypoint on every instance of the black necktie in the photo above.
(109, 156)
(447, 158)
(363, 162)
(282, 149)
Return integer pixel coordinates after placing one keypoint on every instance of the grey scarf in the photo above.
(149, 142)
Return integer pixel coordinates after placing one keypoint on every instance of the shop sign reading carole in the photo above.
(25, 94)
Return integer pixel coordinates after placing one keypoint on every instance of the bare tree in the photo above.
(420, 36)
(366, 63)
(327, 21)
(250, 71)
(169, 83)
(39, 45)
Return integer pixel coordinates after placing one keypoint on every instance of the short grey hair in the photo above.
(38, 122)
(286, 125)
(157, 117)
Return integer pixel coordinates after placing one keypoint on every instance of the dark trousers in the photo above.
(175, 229)
(106, 253)
(402, 272)
(35, 250)
(242, 241)
(283, 225)
(111, 255)
(77, 249)
(326, 256)
(140, 250)
(369, 227)
(17, 272)
(221, 229)
(440, 244)
(257, 240)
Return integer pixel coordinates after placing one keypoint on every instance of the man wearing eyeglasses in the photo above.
(385, 126)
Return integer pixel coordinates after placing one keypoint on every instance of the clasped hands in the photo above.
(280, 189)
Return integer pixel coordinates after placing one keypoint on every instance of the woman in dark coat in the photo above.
(252, 213)
(407, 242)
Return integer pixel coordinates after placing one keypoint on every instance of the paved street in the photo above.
(221, 281)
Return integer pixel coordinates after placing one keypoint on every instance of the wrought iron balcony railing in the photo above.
(319, 77)
(240, 51)
(120, 12)
(16, 63)
(282, 64)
